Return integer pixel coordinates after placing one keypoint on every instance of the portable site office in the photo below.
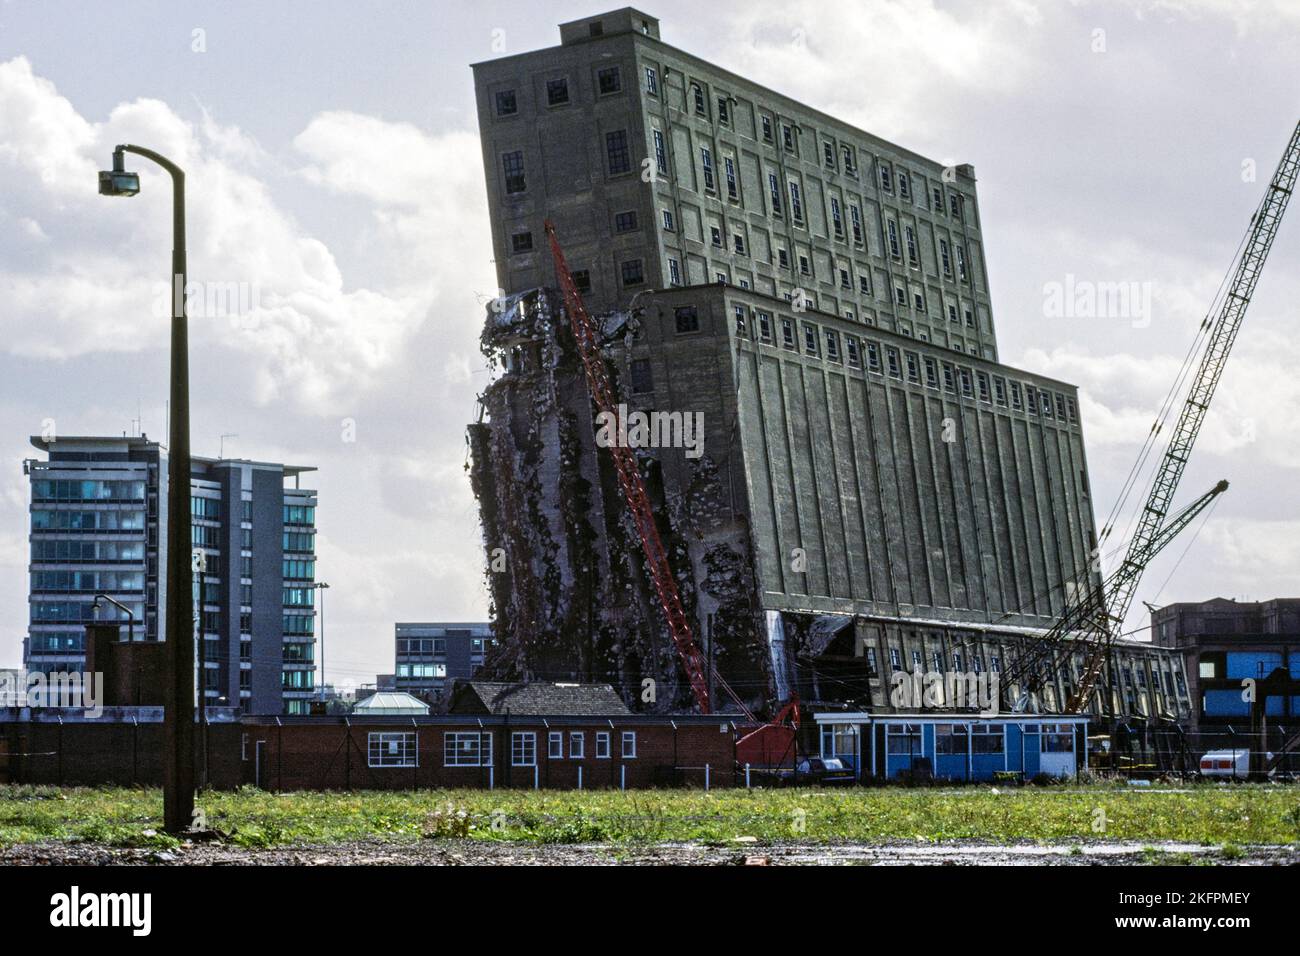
(955, 746)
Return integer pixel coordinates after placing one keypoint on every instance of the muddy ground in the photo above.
(478, 852)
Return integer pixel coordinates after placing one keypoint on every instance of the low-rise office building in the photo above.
(429, 656)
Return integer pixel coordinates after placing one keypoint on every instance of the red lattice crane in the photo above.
(631, 482)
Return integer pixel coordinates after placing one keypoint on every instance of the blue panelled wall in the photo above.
(954, 747)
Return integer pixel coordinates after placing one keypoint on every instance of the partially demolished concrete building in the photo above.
(797, 319)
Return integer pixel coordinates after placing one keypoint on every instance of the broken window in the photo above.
(609, 81)
(687, 319)
(698, 96)
(513, 165)
(557, 92)
(642, 377)
(633, 273)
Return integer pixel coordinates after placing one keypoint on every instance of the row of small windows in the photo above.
(304, 541)
(294, 625)
(473, 748)
(78, 612)
(609, 81)
(207, 509)
(43, 520)
(61, 489)
(297, 569)
(888, 360)
(109, 582)
(809, 301)
(835, 157)
(299, 514)
(87, 551)
(432, 671)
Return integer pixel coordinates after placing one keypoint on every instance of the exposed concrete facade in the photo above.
(868, 493)
(903, 224)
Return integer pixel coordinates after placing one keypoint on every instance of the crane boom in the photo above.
(1087, 617)
(631, 482)
(1223, 332)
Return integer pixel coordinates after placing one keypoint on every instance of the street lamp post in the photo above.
(322, 587)
(178, 716)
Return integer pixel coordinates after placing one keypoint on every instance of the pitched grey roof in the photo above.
(537, 699)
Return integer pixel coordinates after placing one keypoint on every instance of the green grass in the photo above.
(1235, 816)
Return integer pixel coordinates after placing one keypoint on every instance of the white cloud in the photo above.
(888, 66)
(310, 336)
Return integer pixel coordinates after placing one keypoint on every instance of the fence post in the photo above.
(492, 778)
(706, 776)
(579, 776)
(536, 777)
(622, 776)
(747, 776)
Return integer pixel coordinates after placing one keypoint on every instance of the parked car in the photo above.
(819, 771)
(1228, 764)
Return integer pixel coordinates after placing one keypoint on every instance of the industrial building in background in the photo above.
(1224, 643)
(848, 483)
(430, 656)
(98, 530)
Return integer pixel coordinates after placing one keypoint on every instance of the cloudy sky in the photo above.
(334, 169)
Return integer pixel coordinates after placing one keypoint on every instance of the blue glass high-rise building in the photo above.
(98, 527)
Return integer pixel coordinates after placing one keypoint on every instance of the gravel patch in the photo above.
(488, 853)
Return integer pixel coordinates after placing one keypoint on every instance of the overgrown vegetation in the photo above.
(1219, 815)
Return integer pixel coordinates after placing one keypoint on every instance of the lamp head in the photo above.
(117, 181)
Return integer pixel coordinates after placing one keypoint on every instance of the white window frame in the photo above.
(602, 745)
(454, 754)
(523, 748)
(393, 749)
(629, 736)
(577, 744)
(555, 745)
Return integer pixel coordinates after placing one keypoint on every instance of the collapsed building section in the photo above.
(571, 599)
(845, 506)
